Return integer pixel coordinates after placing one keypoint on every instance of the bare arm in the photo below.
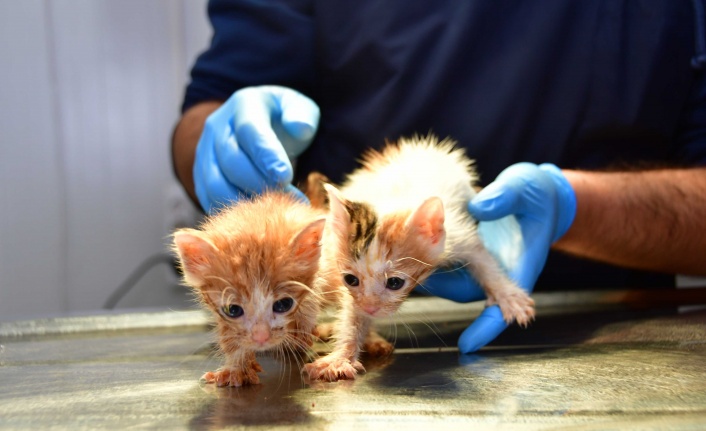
(652, 220)
(184, 140)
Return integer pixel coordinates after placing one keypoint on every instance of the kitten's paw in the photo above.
(234, 376)
(325, 331)
(515, 304)
(333, 369)
(378, 347)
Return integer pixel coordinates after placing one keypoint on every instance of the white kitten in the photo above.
(395, 220)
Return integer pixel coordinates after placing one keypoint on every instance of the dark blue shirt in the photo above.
(581, 84)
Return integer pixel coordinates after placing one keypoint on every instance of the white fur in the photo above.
(423, 168)
(420, 169)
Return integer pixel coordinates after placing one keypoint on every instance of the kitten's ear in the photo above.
(339, 219)
(427, 224)
(307, 244)
(196, 253)
(315, 190)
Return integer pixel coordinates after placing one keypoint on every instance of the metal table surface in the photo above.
(588, 362)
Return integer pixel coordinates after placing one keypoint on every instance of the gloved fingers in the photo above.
(298, 123)
(237, 167)
(454, 284)
(483, 330)
(253, 114)
(566, 199)
(530, 265)
(212, 188)
(503, 239)
(520, 245)
(521, 189)
(497, 200)
(300, 115)
(295, 119)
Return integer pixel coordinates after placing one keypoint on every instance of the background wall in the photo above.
(89, 93)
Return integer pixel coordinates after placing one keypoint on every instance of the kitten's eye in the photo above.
(351, 280)
(233, 310)
(283, 305)
(394, 283)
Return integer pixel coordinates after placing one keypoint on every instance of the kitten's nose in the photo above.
(370, 308)
(260, 333)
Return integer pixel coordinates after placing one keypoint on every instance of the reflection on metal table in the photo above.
(591, 360)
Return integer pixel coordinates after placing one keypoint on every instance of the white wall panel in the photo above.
(32, 215)
(88, 103)
(197, 30)
(114, 79)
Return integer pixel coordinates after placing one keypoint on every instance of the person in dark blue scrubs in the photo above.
(587, 121)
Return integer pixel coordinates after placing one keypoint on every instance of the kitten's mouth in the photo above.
(375, 312)
(261, 347)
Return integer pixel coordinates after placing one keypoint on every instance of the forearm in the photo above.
(184, 140)
(652, 220)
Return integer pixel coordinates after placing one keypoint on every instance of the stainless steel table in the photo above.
(593, 360)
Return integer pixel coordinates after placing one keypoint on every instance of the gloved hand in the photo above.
(541, 206)
(247, 143)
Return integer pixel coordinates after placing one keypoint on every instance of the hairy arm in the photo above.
(652, 220)
(184, 140)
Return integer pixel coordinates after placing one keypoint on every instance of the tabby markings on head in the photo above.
(363, 225)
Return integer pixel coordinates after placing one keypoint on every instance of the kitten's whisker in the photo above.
(434, 329)
(413, 279)
(414, 259)
(396, 331)
(452, 269)
(411, 332)
(393, 330)
(328, 344)
(301, 331)
(303, 286)
(348, 262)
(289, 353)
(281, 360)
(293, 283)
(214, 277)
(297, 345)
(290, 344)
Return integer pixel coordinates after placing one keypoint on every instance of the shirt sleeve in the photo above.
(691, 140)
(254, 42)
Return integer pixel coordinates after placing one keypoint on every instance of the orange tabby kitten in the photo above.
(394, 221)
(253, 265)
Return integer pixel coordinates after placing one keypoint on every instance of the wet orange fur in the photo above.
(252, 254)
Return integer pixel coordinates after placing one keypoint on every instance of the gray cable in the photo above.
(139, 272)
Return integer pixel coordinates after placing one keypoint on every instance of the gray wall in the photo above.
(89, 93)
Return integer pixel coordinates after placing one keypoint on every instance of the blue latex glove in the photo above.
(541, 206)
(247, 144)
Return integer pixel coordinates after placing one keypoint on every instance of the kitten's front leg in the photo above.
(342, 362)
(303, 335)
(334, 367)
(515, 303)
(376, 345)
(240, 369)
